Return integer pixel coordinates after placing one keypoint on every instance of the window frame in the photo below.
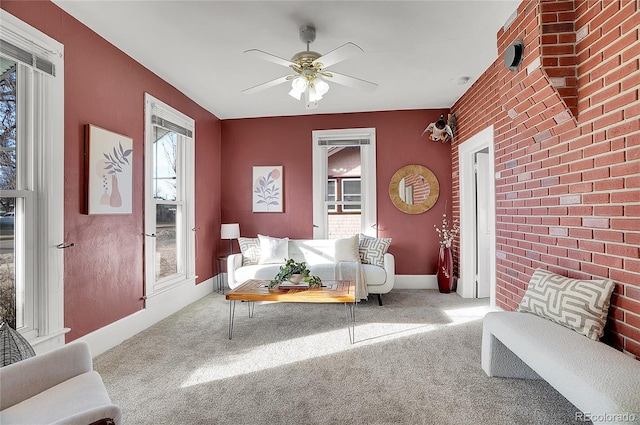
(185, 205)
(332, 206)
(345, 207)
(44, 178)
(321, 140)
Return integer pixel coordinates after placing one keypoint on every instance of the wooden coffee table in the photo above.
(333, 291)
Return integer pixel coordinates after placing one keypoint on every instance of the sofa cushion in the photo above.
(581, 305)
(257, 271)
(312, 251)
(372, 250)
(376, 276)
(323, 271)
(250, 249)
(346, 249)
(273, 250)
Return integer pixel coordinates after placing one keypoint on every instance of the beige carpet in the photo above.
(416, 360)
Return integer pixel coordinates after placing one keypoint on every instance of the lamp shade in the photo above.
(230, 231)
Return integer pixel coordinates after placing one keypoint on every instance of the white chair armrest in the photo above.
(234, 261)
(26, 378)
(107, 411)
(390, 268)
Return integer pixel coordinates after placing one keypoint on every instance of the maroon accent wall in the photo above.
(104, 271)
(287, 141)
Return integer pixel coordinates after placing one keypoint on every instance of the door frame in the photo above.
(468, 247)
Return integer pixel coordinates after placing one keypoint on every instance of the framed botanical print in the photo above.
(109, 171)
(267, 189)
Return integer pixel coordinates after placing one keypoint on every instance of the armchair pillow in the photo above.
(347, 249)
(273, 250)
(250, 249)
(372, 250)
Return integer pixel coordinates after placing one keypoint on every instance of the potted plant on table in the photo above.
(295, 273)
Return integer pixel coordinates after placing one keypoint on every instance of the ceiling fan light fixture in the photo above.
(299, 83)
(310, 71)
(296, 94)
(313, 94)
(321, 86)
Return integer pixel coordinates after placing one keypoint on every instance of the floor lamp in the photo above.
(230, 231)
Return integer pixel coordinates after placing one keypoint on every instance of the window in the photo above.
(343, 195)
(31, 181)
(351, 195)
(332, 195)
(170, 243)
(344, 190)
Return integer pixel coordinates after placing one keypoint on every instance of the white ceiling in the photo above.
(415, 50)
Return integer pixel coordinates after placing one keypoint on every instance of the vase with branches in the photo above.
(446, 233)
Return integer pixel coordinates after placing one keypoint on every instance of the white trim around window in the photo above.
(45, 329)
(159, 115)
(366, 139)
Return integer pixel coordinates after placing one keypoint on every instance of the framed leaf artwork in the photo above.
(267, 189)
(109, 171)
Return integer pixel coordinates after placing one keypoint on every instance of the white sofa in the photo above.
(319, 255)
(58, 387)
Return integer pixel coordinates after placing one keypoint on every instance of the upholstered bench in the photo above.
(599, 380)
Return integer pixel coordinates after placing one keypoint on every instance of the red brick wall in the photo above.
(567, 158)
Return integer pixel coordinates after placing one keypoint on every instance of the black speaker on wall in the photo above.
(513, 55)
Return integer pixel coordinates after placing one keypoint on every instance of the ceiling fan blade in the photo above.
(269, 57)
(345, 80)
(266, 85)
(339, 54)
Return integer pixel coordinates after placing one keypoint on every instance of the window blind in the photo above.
(343, 142)
(168, 125)
(27, 58)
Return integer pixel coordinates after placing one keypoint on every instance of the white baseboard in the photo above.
(157, 307)
(422, 281)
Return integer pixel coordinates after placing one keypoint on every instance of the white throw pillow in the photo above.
(273, 250)
(347, 249)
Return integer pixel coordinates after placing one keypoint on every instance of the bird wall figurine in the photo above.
(441, 130)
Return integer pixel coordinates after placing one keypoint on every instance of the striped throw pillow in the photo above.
(581, 305)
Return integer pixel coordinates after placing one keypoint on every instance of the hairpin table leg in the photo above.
(232, 311)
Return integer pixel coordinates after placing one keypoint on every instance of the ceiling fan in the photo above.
(311, 77)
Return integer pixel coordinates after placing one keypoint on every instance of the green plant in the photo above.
(290, 268)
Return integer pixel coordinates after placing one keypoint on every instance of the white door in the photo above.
(345, 198)
(467, 155)
(483, 229)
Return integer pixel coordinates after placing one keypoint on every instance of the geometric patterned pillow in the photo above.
(250, 248)
(581, 305)
(372, 250)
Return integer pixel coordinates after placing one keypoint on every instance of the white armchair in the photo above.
(58, 387)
